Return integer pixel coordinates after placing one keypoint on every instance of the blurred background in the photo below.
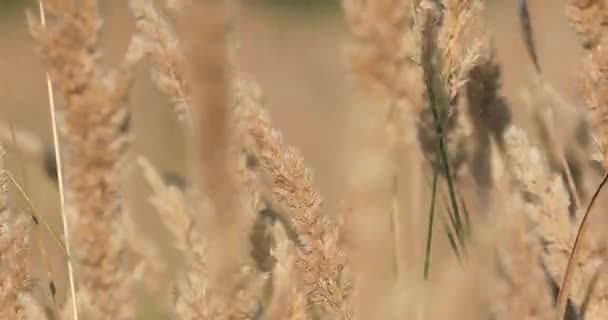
(294, 48)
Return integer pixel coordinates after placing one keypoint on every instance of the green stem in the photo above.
(429, 237)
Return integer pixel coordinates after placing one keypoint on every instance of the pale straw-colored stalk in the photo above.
(66, 230)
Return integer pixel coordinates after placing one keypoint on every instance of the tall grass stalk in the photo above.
(62, 201)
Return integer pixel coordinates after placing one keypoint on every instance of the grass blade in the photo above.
(429, 236)
(445, 223)
(438, 104)
(526, 29)
(467, 217)
(452, 241)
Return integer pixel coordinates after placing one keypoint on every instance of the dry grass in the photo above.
(449, 209)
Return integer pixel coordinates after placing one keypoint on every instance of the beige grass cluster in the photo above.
(253, 236)
(15, 281)
(96, 124)
(588, 18)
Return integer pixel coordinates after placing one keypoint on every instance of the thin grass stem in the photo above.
(429, 237)
(66, 229)
(35, 213)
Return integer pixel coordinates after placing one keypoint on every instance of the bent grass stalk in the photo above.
(562, 298)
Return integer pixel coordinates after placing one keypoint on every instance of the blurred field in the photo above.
(296, 53)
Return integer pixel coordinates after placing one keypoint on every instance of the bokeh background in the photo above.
(294, 48)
